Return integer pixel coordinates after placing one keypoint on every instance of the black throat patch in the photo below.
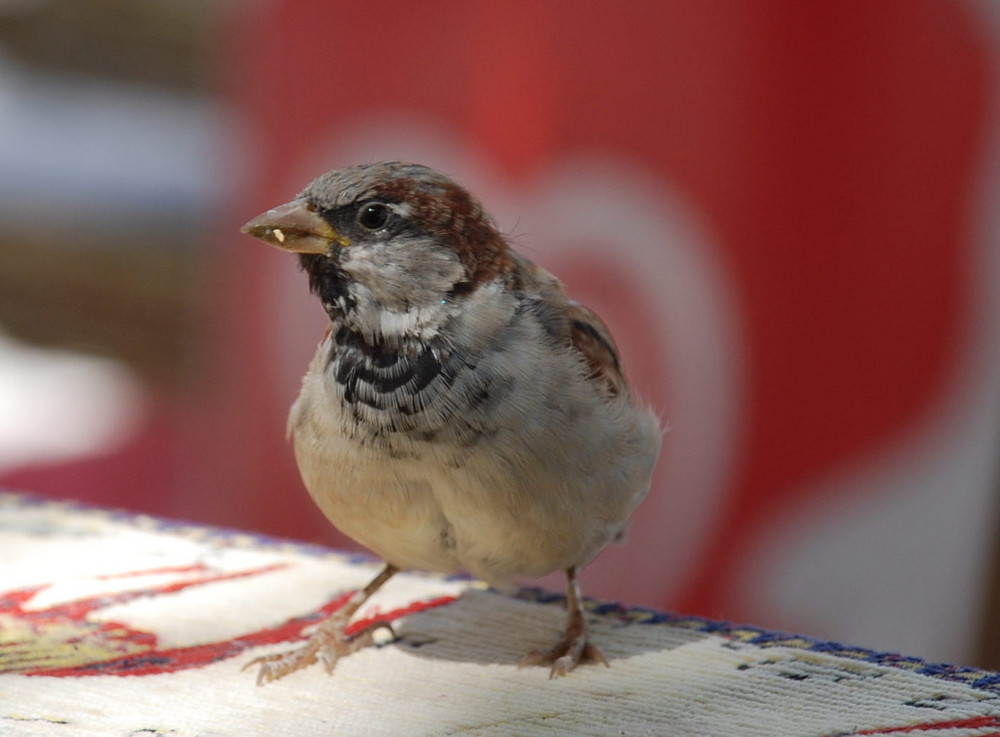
(328, 282)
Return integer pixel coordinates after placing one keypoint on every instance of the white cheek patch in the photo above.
(410, 272)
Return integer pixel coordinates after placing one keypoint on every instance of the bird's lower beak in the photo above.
(296, 227)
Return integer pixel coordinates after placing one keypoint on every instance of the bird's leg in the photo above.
(574, 648)
(328, 643)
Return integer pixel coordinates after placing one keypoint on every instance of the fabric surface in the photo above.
(117, 624)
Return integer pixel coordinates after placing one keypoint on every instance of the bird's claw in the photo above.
(345, 645)
(328, 645)
(276, 665)
(565, 656)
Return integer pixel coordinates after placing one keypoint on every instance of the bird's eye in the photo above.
(373, 216)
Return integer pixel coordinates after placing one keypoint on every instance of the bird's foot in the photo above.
(575, 647)
(566, 655)
(327, 644)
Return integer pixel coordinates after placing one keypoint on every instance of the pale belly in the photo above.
(524, 501)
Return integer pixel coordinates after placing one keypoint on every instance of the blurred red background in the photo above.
(781, 209)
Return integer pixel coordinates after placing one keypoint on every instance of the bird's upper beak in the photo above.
(296, 227)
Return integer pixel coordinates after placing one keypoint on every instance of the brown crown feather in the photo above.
(448, 211)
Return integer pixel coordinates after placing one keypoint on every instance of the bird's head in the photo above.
(387, 239)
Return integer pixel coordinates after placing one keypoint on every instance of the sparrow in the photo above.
(461, 413)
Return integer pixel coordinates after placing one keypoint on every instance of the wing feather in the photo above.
(590, 337)
(572, 324)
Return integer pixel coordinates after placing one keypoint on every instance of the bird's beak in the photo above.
(296, 227)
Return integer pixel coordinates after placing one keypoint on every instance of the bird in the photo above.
(461, 412)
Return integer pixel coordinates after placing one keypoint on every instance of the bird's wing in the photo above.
(592, 340)
(576, 326)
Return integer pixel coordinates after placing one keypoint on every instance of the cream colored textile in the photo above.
(114, 624)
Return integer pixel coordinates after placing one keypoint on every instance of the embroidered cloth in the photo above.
(119, 624)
